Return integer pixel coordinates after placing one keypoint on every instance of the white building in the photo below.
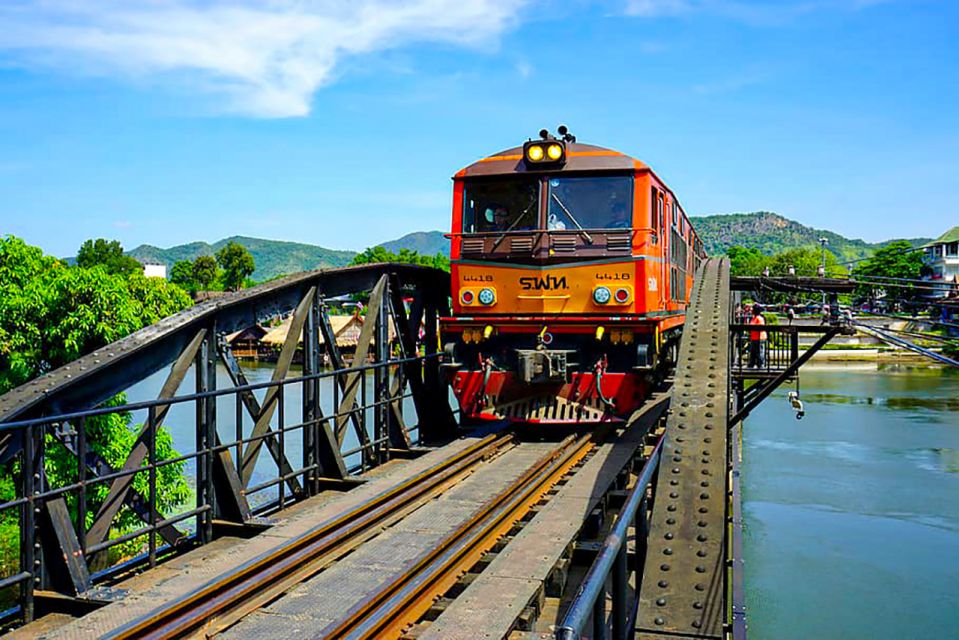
(942, 257)
(154, 270)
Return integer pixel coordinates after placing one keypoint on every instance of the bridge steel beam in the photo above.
(54, 549)
(353, 384)
(88, 381)
(683, 592)
(273, 396)
(337, 362)
(120, 487)
(435, 418)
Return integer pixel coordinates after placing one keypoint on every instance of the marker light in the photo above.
(554, 151)
(622, 296)
(467, 297)
(487, 296)
(535, 153)
(601, 295)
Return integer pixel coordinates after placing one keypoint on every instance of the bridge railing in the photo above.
(92, 514)
(772, 355)
(93, 486)
(611, 565)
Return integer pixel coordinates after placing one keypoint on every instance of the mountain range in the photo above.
(272, 257)
(763, 230)
(771, 233)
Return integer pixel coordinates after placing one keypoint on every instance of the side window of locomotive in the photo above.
(653, 199)
(604, 202)
(500, 205)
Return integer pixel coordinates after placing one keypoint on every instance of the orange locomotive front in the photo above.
(571, 266)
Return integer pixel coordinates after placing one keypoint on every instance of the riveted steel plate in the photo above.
(683, 589)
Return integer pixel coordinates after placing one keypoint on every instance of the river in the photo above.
(851, 514)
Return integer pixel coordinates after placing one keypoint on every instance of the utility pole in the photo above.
(822, 267)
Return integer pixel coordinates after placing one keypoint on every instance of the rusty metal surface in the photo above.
(683, 589)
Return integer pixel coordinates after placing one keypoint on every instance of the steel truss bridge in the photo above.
(348, 502)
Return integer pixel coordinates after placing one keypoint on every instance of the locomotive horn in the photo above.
(544, 134)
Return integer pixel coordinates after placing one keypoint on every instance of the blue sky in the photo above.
(339, 123)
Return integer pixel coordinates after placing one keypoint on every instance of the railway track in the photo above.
(400, 603)
(220, 603)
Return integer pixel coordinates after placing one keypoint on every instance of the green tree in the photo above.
(895, 260)
(181, 274)
(51, 314)
(405, 256)
(237, 264)
(806, 262)
(746, 261)
(109, 254)
(205, 272)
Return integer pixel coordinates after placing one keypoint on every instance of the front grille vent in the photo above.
(564, 244)
(473, 245)
(521, 245)
(618, 242)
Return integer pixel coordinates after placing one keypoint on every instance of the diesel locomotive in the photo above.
(571, 269)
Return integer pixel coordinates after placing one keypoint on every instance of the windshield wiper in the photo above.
(510, 228)
(572, 217)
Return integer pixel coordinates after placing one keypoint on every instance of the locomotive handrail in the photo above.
(574, 232)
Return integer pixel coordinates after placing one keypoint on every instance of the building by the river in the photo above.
(942, 257)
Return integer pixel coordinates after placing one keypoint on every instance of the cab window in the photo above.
(500, 205)
(603, 202)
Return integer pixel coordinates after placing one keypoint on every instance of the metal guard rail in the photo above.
(610, 560)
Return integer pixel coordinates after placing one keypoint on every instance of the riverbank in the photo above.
(877, 355)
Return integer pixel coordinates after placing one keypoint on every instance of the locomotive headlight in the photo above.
(467, 297)
(601, 295)
(544, 153)
(487, 296)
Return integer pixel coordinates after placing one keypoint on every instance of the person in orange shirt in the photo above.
(757, 339)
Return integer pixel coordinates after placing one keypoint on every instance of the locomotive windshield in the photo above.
(590, 203)
(501, 205)
(574, 203)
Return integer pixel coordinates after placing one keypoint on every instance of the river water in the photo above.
(852, 514)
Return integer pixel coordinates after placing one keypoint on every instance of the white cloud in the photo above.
(264, 57)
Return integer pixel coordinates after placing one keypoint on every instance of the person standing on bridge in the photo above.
(757, 339)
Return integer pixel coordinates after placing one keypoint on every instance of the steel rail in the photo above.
(223, 600)
(401, 603)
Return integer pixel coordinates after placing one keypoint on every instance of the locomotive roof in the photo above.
(579, 157)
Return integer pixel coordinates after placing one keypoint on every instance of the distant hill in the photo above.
(272, 257)
(763, 230)
(427, 243)
(772, 233)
